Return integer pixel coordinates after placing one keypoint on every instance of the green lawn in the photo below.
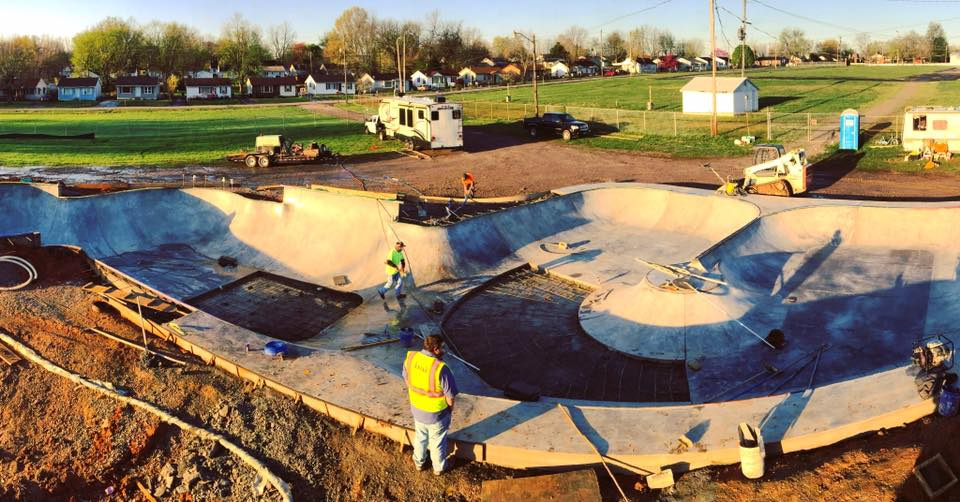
(132, 137)
(809, 90)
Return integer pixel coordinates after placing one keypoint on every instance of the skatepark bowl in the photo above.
(562, 300)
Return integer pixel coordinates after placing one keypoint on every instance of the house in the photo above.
(480, 75)
(584, 68)
(734, 95)
(320, 84)
(498, 62)
(298, 69)
(556, 69)
(274, 70)
(707, 62)
(442, 79)
(272, 87)
(372, 82)
(628, 65)
(646, 65)
(420, 79)
(79, 89)
(684, 64)
(511, 71)
(34, 89)
(208, 88)
(137, 87)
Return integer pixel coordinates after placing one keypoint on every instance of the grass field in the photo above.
(813, 90)
(131, 137)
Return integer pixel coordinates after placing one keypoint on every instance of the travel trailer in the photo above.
(934, 128)
(422, 123)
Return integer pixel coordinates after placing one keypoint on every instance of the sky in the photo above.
(547, 18)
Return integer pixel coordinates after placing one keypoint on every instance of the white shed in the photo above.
(734, 95)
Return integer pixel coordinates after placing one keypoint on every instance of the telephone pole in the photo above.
(713, 66)
(743, 40)
(601, 53)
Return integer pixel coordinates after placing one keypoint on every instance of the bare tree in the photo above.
(574, 40)
(281, 39)
(862, 43)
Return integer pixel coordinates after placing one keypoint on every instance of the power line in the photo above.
(805, 18)
(723, 31)
(641, 11)
(752, 25)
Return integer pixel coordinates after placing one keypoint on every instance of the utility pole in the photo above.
(743, 40)
(713, 69)
(601, 53)
(344, 61)
(536, 95)
(839, 48)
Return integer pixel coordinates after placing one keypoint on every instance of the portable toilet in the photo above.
(850, 130)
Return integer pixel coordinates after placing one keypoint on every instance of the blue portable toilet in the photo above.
(850, 130)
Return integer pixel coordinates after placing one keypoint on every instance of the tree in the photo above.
(862, 43)
(15, 58)
(559, 51)
(353, 39)
(173, 48)
(112, 47)
(574, 40)
(614, 47)
(748, 56)
(793, 42)
(281, 38)
(663, 42)
(690, 47)
(240, 47)
(829, 47)
(937, 42)
(172, 82)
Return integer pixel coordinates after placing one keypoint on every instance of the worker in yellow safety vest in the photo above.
(396, 271)
(432, 389)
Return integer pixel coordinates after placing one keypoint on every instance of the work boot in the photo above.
(382, 296)
(401, 296)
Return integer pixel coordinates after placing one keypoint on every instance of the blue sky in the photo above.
(685, 18)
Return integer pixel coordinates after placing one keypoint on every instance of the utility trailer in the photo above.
(275, 149)
(420, 122)
(931, 128)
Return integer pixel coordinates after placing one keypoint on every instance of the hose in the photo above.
(24, 264)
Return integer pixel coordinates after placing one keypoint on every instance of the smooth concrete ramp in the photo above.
(856, 283)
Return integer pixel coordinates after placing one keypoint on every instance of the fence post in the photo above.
(644, 121)
(524, 110)
(618, 120)
(476, 109)
(896, 126)
(769, 126)
(674, 124)
(491, 110)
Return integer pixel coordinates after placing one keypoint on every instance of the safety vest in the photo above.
(423, 382)
(394, 257)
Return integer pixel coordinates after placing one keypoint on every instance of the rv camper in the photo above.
(422, 123)
(933, 128)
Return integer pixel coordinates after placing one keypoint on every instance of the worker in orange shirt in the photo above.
(469, 187)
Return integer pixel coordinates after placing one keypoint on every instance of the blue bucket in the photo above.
(275, 348)
(949, 402)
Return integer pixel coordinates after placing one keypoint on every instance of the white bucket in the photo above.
(751, 451)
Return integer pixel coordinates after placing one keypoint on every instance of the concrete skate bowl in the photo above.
(857, 285)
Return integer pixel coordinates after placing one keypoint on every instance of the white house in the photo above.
(684, 64)
(480, 75)
(420, 79)
(377, 82)
(321, 84)
(137, 87)
(734, 95)
(443, 79)
(274, 71)
(208, 88)
(584, 67)
(556, 69)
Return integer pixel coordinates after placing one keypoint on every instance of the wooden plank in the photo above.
(575, 486)
(9, 356)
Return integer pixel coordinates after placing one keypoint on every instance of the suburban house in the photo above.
(34, 89)
(442, 79)
(274, 71)
(684, 64)
(322, 84)
(137, 87)
(272, 87)
(584, 68)
(735, 95)
(208, 88)
(213, 72)
(480, 75)
(556, 69)
(420, 79)
(373, 82)
(79, 89)
(511, 71)
(299, 69)
(498, 62)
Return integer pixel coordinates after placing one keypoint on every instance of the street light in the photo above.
(402, 60)
(536, 96)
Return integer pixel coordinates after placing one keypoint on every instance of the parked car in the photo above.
(560, 124)
(609, 73)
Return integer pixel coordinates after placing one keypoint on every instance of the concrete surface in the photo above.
(866, 280)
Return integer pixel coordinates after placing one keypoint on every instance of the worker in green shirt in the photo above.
(396, 271)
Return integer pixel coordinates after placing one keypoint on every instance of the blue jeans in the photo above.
(395, 281)
(434, 437)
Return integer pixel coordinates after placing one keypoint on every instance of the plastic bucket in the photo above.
(949, 402)
(275, 348)
(751, 451)
(406, 337)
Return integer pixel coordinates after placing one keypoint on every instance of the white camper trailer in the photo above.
(934, 128)
(422, 123)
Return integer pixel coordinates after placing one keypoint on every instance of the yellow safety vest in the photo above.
(394, 257)
(423, 382)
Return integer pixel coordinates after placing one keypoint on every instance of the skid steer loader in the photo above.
(774, 172)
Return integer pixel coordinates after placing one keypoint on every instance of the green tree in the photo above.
(240, 48)
(749, 57)
(937, 39)
(793, 42)
(110, 48)
(559, 51)
(174, 48)
(15, 62)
